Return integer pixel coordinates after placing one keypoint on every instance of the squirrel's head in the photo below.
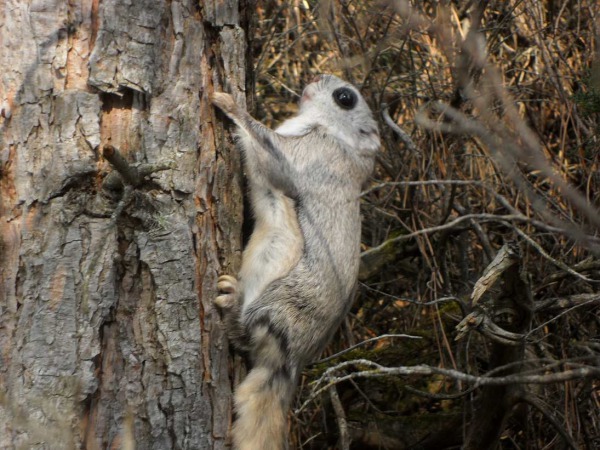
(337, 106)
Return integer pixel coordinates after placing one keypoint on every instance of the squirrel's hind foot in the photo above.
(228, 288)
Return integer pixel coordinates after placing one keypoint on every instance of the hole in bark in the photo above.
(110, 101)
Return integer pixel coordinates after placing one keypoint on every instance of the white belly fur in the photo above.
(275, 245)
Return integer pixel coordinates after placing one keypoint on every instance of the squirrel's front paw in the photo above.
(224, 102)
(228, 287)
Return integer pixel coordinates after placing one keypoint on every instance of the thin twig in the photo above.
(365, 342)
(560, 315)
(458, 220)
(544, 409)
(412, 300)
(403, 135)
(592, 240)
(340, 417)
(420, 183)
(557, 263)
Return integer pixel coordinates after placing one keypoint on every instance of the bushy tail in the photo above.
(262, 401)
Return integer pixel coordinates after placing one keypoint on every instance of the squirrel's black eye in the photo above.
(345, 98)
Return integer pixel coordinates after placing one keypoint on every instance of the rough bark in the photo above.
(108, 336)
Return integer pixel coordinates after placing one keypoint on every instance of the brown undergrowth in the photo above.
(501, 103)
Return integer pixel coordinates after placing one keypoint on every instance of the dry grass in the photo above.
(507, 105)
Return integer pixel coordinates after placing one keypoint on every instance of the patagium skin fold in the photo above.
(300, 266)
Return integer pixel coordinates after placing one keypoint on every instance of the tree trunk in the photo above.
(108, 336)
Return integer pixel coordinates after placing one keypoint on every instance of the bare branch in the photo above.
(479, 320)
(340, 417)
(594, 299)
(506, 257)
(459, 220)
(403, 135)
(554, 261)
(378, 371)
(127, 171)
(421, 183)
(365, 342)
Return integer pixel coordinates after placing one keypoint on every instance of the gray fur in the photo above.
(300, 268)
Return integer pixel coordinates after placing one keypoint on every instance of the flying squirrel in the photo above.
(300, 267)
